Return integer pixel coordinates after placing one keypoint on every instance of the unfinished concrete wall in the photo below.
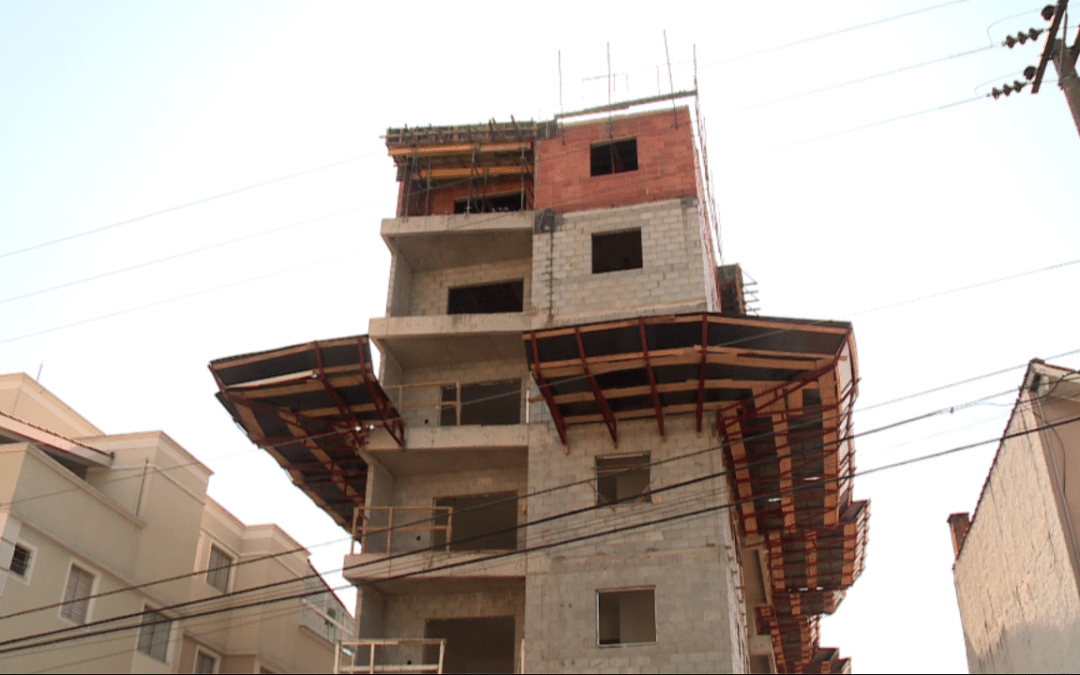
(1015, 582)
(665, 152)
(431, 287)
(700, 625)
(566, 291)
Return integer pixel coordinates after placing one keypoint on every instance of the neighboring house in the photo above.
(1017, 570)
(561, 360)
(90, 521)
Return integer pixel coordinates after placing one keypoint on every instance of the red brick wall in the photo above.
(665, 164)
(442, 200)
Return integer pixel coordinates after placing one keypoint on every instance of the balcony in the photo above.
(390, 655)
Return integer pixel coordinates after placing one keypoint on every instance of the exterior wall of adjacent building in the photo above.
(1016, 572)
(143, 517)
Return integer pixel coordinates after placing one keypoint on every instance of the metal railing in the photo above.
(363, 528)
(439, 389)
(358, 650)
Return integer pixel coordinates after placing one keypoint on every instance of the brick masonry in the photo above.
(666, 168)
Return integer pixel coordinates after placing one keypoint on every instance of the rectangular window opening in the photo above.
(507, 296)
(217, 572)
(491, 204)
(20, 561)
(616, 157)
(482, 403)
(622, 480)
(616, 251)
(479, 522)
(76, 605)
(626, 617)
(154, 635)
(204, 663)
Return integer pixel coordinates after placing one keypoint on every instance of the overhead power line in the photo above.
(179, 207)
(834, 33)
(5, 647)
(537, 493)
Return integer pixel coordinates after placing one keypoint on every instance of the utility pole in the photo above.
(1063, 58)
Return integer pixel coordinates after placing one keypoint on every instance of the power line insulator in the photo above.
(1030, 72)
(1022, 37)
(1048, 12)
(996, 93)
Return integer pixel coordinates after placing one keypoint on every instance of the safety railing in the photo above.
(385, 655)
(371, 524)
(397, 393)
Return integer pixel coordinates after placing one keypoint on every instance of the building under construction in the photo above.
(580, 452)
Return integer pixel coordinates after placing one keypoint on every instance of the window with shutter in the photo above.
(154, 635)
(76, 605)
(217, 573)
(20, 561)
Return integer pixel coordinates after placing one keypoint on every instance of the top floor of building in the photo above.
(500, 167)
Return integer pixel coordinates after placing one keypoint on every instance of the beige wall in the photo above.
(144, 517)
(23, 398)
(1015, 576)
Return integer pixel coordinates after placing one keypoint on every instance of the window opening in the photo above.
(626, 617)
(204, 663)
(154, 635)
(483, 403)
(479, 522)
(507, 296)
(617, 157)
(622, 480)
(217, 573)
(492, 204)
(20, 561)
(76, 605)
(616, 251)
(473, 645)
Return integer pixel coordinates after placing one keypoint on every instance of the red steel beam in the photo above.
(605, 409)
(652, 377)
(545, 391)
(355, 427)
(701, 374)
(395, 425)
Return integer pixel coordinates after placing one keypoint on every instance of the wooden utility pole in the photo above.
(1063, 58)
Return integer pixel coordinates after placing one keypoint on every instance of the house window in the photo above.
(615, 157)
(154, 635)
(626, 617)
(622, 480)
(616, 251)
(20, 561)
(76, 605)
(204, 663)
(217, 573)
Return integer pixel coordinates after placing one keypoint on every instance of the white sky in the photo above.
(111, 111)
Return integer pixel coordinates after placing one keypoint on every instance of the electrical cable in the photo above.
(179, 207)
(538, 493)
(832, 33)
(5, 648)
(174, 298)
(856, 81)
(182, 254)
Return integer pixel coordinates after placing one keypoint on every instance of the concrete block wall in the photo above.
(690, 562)
(424, 489)
(1018, 595)
(405, 614)
(430, 288)
(665, 163)
(565, 290)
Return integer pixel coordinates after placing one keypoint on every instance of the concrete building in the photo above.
(90, 525)
(580, 454)
(1017, 570)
